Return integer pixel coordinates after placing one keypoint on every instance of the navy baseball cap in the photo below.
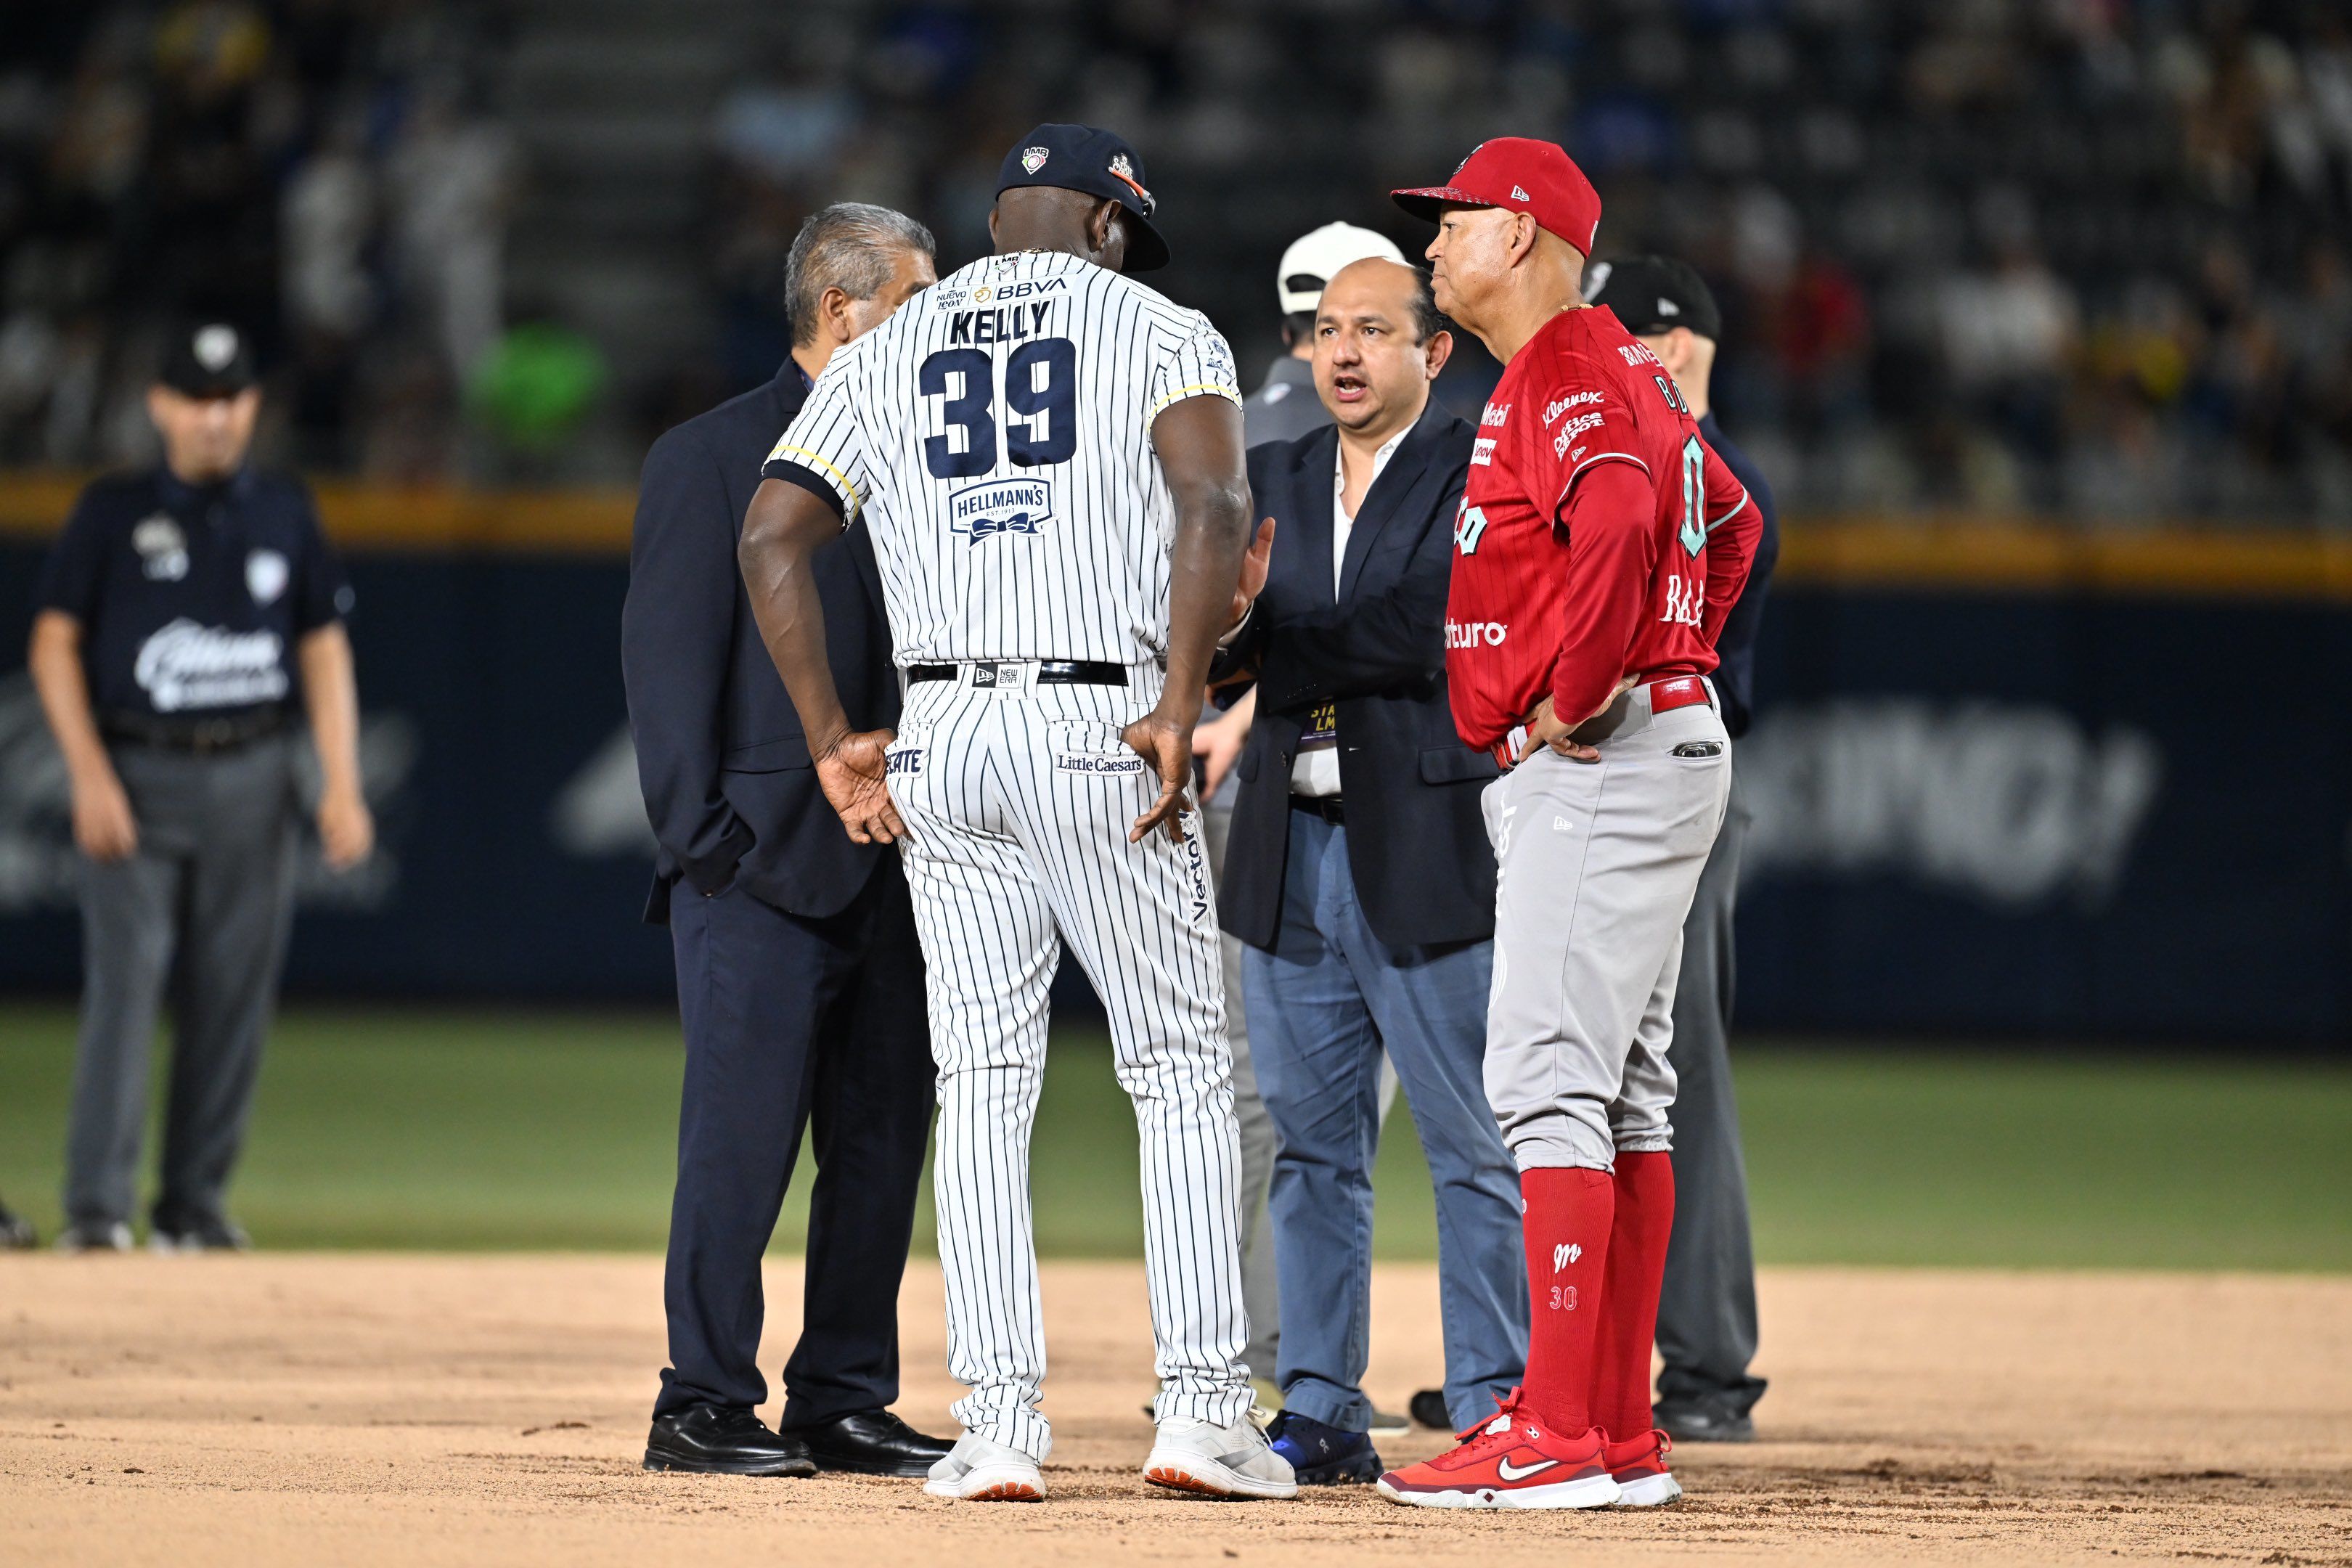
(208, 359)
(1651, 294)
(1096, 163)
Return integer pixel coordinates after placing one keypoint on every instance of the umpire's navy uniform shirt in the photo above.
(1735, 677)
(191, 597)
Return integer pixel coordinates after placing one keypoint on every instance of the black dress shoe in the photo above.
(871, 1443)
(1704, 1424)
(1429, 1408)
(724, 1441)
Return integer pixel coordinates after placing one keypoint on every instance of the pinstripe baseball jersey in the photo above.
(996, 433)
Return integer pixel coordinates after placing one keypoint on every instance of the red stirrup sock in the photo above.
(1566, 1226)
(1628, 1294)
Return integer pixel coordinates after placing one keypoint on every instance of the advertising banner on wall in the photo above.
(2010, 812)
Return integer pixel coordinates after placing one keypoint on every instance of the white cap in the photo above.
(1312, 259)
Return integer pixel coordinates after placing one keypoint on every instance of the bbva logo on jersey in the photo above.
(1000, 506)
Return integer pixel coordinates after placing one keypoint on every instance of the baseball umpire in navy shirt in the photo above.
(1707, 1310)
(800, 981)
(183, 612)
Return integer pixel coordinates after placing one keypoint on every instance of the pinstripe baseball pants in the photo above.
(1017, 801)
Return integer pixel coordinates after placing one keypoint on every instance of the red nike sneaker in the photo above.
(1638, 1465)
(1509, 1462)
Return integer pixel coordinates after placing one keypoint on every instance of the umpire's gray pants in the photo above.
(210, 886)
(1707, 1311)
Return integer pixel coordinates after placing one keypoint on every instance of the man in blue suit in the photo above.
(1360, 875)
(799, 979)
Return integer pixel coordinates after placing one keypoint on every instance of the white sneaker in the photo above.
(1222, 1461)
(977, 1470)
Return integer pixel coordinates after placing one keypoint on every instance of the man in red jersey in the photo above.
(1598, 548)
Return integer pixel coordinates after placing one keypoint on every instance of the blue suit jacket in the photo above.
(728, 781)
(1416, 844)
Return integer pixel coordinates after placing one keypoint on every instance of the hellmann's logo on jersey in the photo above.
(1000, 506)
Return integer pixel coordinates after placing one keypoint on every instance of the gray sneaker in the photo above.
(15, 1231)
(977, 1470)
(1221, 1461)
(95, 1235)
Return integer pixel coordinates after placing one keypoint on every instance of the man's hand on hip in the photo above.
(854, 775)
(1546, 729)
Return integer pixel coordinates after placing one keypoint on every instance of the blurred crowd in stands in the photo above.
(2089, 257)
(320, 171)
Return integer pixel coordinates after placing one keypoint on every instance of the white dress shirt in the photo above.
(1317, 770)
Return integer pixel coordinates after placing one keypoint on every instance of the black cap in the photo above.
(209, 359)
(1653, 294)
(1100, 163)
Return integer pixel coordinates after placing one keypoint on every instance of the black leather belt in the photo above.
(225, 734)
(1330, 807)
(1050, 671)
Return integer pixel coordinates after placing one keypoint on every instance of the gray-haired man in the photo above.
(799, 979)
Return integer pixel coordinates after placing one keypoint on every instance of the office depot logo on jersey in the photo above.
(1000, 506)
(1573, 428)
(1476, 633)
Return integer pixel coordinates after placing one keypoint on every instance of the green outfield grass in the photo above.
(442, 1128)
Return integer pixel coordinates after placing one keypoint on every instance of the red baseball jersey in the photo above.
(1539, 608)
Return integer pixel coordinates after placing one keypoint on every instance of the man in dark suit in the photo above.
(1359, 875)
(799, 979)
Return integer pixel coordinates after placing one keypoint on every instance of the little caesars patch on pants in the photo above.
(1597, 864)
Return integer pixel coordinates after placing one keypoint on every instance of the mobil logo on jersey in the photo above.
(1000, 506)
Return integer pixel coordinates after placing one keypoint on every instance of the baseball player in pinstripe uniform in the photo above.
(1049, 459)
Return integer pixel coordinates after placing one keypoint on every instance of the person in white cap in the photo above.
(1284, 406)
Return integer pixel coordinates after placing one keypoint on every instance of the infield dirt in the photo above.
(428, 1410)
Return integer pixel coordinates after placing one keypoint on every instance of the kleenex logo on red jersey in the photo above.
(1558, 406)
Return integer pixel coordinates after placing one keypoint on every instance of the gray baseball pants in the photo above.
(1598, 863)
(204, 906)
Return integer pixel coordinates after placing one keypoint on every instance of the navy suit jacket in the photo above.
(1416, 843)
(728, 784)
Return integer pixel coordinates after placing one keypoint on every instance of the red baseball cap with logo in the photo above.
(1522, 175)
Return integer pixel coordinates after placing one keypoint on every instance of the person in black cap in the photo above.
(181, 610)
(1707, 1308)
